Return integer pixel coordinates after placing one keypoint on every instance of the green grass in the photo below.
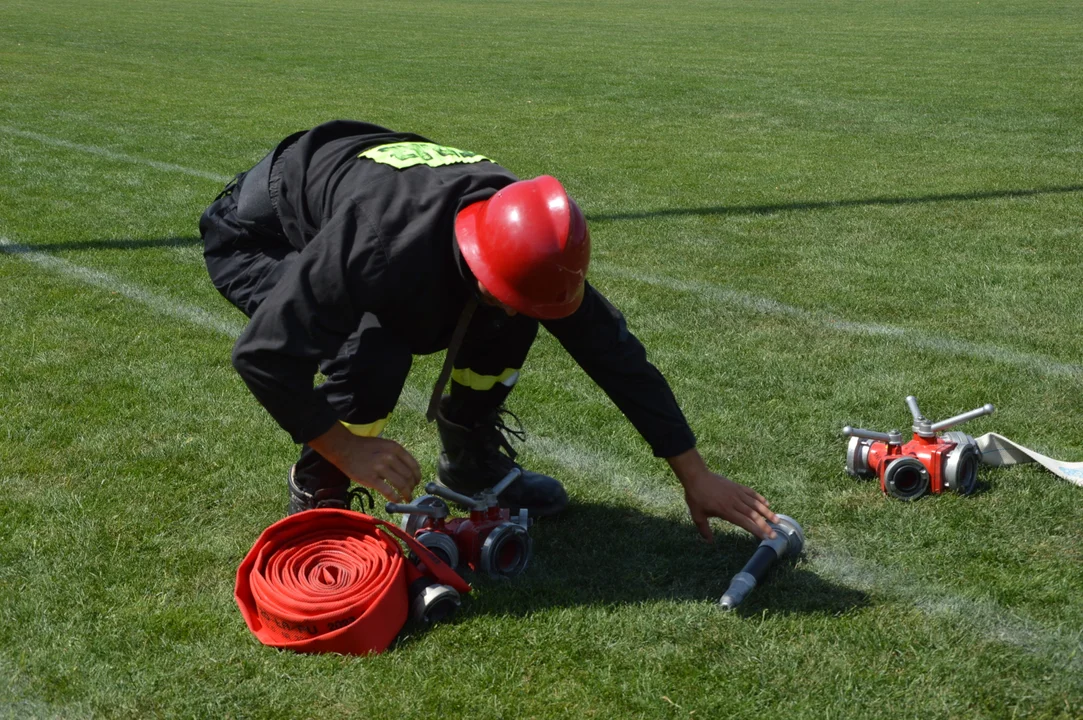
(806, 210)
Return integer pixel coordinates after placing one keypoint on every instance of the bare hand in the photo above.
(711, 495)
(377, 463)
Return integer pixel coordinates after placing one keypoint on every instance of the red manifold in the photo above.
(930, 462)
(488, 541)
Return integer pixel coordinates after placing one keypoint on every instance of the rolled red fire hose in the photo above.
(332, 580)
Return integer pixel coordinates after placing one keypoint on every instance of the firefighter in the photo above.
(352, 248)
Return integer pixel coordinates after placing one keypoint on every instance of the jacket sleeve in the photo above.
(316, 304)
(598, 339)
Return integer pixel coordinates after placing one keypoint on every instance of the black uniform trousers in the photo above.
(246, 251)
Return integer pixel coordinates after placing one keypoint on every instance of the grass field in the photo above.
(806, 210)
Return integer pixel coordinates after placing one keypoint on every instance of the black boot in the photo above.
(341, 497)
(472, 461)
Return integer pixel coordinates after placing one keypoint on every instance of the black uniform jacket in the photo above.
(377, 239)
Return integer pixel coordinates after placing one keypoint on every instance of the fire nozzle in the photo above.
(789, 540)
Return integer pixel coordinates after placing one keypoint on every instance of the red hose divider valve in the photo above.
(490, 541)
(929, 463)
(331, 580)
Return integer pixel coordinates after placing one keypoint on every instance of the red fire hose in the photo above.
(332, 580)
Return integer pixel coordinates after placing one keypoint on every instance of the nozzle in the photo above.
(790, 529)
(742, 584)
(789, 540)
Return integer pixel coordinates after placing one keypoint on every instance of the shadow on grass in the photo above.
(118, 244)
(718, 210)
(605, 555)
(723, 210)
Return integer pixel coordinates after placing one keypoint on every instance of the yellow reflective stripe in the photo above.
(407, 154)
(371, 429)
(477, 381)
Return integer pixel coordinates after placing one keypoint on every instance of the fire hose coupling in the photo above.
(788, 542)
(442, 546)
(490, 540)
(930, 462)
(432, 602)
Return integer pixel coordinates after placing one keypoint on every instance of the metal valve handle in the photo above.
(433, 511)
(912, 403)
(485, 499)
(986, 409)
(416, 512)
(922, 425)
(512, 476)
(926, 428)
(893, 438)
(455, 497)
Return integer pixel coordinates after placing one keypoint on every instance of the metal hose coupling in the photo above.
(789, 541)
(506, 551)
(432, 602)
(441, 545)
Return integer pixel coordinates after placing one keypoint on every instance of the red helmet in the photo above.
(529, 246)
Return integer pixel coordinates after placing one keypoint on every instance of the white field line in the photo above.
(985, 617)
(105, 281)
(910, 336)
(1061, 645)
(113, 155)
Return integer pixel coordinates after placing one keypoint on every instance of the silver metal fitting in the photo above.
(522, 519)
(857, 457)
(791, 530)
(435, 603)
(442, 545)
(961, 468)
(906, 478)
(742, 584)
(506, 551)
(921, 427)
(417, 513)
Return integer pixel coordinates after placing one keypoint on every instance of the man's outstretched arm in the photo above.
(597, 337)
